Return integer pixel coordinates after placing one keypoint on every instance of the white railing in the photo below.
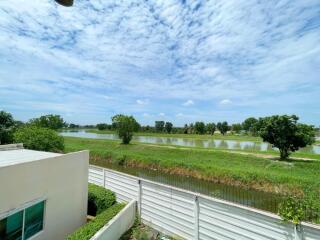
(194, 216)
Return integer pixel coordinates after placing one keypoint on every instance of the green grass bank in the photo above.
(294, 177)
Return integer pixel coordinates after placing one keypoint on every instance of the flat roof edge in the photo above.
(8, 147)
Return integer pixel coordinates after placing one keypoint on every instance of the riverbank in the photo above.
(217, 136)
(232, 168)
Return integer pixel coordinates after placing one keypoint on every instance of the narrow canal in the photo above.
(252, 198)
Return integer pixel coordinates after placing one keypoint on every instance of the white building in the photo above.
(42, 195)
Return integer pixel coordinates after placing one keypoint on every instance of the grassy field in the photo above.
(193, 136)
(249, 171)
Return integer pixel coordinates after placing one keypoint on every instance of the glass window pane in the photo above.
(33, 222)
(11, 227)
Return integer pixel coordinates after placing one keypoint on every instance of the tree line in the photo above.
(37, 134)
(283, 132)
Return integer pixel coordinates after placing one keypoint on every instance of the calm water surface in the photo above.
(252, 198)
(188, 142)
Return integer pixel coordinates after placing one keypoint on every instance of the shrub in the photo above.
(291, 210)
(99, 199)
(41, 139)
(88, 230)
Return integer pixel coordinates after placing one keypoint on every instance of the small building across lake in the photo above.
(42, 195)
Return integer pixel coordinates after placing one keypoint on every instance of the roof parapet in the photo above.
(9, 147)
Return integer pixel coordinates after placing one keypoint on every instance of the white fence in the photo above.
(193, 216)
(117, 226)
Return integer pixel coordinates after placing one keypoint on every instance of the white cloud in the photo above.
(179, 115)
(188, 103)
(235, 50)
(225, 102)
(162, 114)
(146, 115)
(142, 102)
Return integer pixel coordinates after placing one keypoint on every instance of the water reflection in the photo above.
(257, 199)
(188, 142)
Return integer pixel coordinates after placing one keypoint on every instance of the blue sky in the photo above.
(180, 61)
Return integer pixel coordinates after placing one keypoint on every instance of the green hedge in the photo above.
(99, 199)
(90, 229)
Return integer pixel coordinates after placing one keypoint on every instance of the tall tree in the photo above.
(200, 127)
(185, 129)
(159, 126)
(286, 134)
(168, 126)
(51, 121)
(211, 128)
(248, 124)
(236, 127)
(125, 126)
(223, 127)
(7, 125)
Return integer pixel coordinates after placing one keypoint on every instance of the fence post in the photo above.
(196, 217)
(139, 197)
(104, 178)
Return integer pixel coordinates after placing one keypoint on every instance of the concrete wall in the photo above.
(62, 181)
(194, 216)
(121, 223)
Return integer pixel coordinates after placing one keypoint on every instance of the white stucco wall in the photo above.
(61, 180)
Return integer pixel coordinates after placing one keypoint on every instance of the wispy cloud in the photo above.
(225, 102)
(188, 103)
(142, 102)
(151, 56)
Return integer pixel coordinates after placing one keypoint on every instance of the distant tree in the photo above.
(200, 128)
(41, 139)
(102, 126)
(125, 126)
(236, 127)
(159, 126)
(72, 125)
(168, 126)
(255, 130)
(7, 126)
(191, 128)
(223, 127)
(285, 133)
(185, 129)
(248, 124)
(51, 121)
(211, 128)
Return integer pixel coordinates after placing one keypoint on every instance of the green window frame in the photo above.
(24, 223)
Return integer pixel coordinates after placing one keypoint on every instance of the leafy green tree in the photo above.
(159, 126)
(125, 126)
(249, 124)
(168, 126)
(41, 139)
(102, 126)
(7, 126)
(285, 133)
(200, 128)
(223, 127)
(185, 129)
(51, 121)
(236, 127)
(211, 128)
(72, 125)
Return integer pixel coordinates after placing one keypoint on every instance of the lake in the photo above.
(189, 142)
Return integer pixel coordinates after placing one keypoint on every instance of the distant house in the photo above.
(42, 195)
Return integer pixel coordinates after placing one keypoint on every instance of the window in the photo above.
(23, 224)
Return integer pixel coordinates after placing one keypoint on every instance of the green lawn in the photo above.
(193, 136)
(216, 165)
